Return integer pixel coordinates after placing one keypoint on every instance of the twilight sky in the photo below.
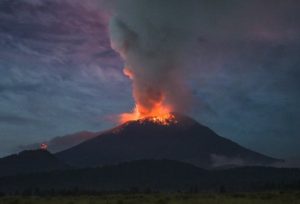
(59, 75)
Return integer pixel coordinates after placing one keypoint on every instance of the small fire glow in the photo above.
(43, 146)
(158, 112)
(128, 73)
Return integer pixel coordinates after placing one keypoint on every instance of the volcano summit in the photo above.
(182, 139)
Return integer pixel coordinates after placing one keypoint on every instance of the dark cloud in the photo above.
(56, 67)
(16, 120)
(255, 97)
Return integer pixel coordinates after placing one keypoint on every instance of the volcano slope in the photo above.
(183, 139)
(30, 161)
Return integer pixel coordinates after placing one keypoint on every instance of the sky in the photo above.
(240, 61)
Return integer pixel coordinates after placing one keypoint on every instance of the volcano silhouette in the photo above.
(185, 140)
(30, 161)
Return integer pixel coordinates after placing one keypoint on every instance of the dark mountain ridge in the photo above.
(184, 140)
(30, 161)
(156, 175)
(60, 143)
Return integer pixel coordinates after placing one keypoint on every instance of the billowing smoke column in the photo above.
(152, 45)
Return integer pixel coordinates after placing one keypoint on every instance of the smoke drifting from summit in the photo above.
(224, 50)
(153, 45)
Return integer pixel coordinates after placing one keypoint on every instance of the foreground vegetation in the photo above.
(178, 198)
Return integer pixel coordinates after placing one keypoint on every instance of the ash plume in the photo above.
(166, 42)
(153, 45)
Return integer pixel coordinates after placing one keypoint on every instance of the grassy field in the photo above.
(237, 198)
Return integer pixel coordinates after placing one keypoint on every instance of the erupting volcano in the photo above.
(154, 129)
(157, 82)
(159, 115)
(155, 109)
(184, 140)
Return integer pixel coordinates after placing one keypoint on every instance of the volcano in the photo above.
(182, 139)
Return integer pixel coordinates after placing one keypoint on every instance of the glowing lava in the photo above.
(158, 114)
(156, 111)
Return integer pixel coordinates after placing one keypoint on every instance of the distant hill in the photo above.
(156, 175)
(186, 140)
(30, 161)
(61, 143)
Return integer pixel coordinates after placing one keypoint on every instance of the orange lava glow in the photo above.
(128, 73)
(158, 112)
